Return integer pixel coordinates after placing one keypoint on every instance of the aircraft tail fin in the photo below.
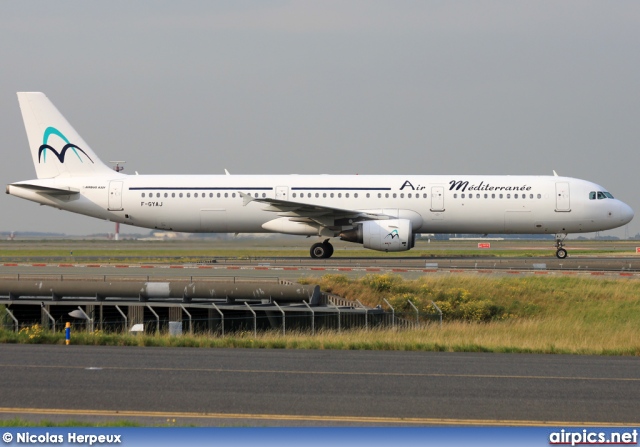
(56, 148)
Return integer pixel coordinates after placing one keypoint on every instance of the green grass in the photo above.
(18, 422)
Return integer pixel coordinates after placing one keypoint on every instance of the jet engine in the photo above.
(382, 235)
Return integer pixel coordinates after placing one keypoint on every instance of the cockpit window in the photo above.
(608, 195)
(601, 195)
(592, 195)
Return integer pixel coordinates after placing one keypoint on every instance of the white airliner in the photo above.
(382, 212)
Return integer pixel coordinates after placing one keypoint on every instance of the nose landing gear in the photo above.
(561, 253)
(321, 250)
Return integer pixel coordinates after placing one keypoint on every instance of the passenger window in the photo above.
(195, 195)
(339, 195)
(515, 196)
(181, 195)
(462, 196)
(355, 195)
(331, 195)
(386, 195)
(501, 196)
(347, 195)
(188, 194)
(166, 195)
(317, 195)
(486, 196)
(493, 196)
(173, 194)
(142, 194)
(531, 196)
(226, 194)
(402, 195)
(409, 196)
(477, 196)
(368, 195)
(424, 195)
(294, 195)
(508, 196)
(539, 196)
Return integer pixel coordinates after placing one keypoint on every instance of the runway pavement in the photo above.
(293, 268)
(306, 387)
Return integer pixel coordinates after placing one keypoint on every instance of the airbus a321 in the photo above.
(381, 212)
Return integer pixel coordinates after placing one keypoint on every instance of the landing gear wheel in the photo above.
(321, 250)
(318, 250)
(561, 253)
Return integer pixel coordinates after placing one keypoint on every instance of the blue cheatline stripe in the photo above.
(236, 188)
(337, 188)
(186, 188)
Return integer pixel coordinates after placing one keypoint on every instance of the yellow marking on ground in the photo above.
(328, 373)
(303, 418)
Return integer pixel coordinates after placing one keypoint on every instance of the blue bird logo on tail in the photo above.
(42, 152)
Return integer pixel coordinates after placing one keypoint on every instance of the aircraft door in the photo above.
(562, 197)
(437, 198)
(282, 192)
(115, 196)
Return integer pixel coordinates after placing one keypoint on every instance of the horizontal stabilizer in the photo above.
(44, 189)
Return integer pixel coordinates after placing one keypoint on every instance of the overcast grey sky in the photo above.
(338, 87)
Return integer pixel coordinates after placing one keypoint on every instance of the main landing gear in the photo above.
(322, 250)
(561, 253)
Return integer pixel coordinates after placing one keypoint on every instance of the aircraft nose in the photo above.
(626, 213)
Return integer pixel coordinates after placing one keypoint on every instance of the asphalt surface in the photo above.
(307, 387)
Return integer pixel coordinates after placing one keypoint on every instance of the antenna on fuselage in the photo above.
(117, 167)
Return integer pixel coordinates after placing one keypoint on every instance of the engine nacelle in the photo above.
(382, 235)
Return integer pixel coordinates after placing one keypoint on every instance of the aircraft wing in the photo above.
(305, 212)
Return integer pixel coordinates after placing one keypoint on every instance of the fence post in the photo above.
(221, 316)
(189, 315)
(417, 314)
(313, 320)
(338, 309)
(44, 309)
(126, 324)
(255, 320)
(439, 311)
(157, 319)
(15, 320)
(284, 330)
(393, 314)
(366, 315)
